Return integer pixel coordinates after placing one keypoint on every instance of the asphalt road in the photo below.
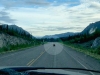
(49, 56)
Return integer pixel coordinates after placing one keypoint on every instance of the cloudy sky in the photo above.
(47, 17)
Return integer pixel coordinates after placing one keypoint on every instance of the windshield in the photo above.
(50, 33)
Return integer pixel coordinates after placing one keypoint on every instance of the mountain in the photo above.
(60, 35)
(91, 28)
(12, 35)
(16, 29)
(65, 34)
(50, 36)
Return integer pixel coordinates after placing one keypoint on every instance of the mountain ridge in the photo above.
(10, 29)
(12, 36)
(91, 28)
(60, 35)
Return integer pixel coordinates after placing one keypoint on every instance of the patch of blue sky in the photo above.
(69, 2)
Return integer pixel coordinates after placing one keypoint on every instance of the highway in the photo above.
(47, 55)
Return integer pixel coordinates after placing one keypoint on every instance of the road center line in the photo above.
(54, 59)
(36, 59)
(78, 61)
(49, 47)
(41, 53)
(30, 62)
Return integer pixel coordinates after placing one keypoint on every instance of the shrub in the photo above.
(4, 49)
(98, 50)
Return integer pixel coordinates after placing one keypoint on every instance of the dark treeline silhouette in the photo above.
(14, 32)
(81, 38)
(51, 39)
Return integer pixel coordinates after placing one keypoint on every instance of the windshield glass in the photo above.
(50, 33)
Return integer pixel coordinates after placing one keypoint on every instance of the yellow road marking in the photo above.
(30, 61)
(49, 48)
(36, 59)
(41, 53)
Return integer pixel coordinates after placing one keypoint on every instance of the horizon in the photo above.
(49, 17)
(44, 35)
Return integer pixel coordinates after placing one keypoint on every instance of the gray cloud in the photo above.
(37, 2)
(14, 3)
(95, 5)
(51, 28)
(59, 28)
(4, 16)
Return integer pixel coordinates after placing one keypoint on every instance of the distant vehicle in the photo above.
(54, 45)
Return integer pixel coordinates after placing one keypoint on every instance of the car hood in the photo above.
(58, 71)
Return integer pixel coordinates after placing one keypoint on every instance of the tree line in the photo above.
(14, 32)
(81, 38)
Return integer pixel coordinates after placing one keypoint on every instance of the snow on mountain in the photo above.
(91, 28)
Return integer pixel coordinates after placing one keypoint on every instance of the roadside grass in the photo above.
(95, 53)
(12, 48)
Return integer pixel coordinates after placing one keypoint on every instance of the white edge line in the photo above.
(78, 62)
